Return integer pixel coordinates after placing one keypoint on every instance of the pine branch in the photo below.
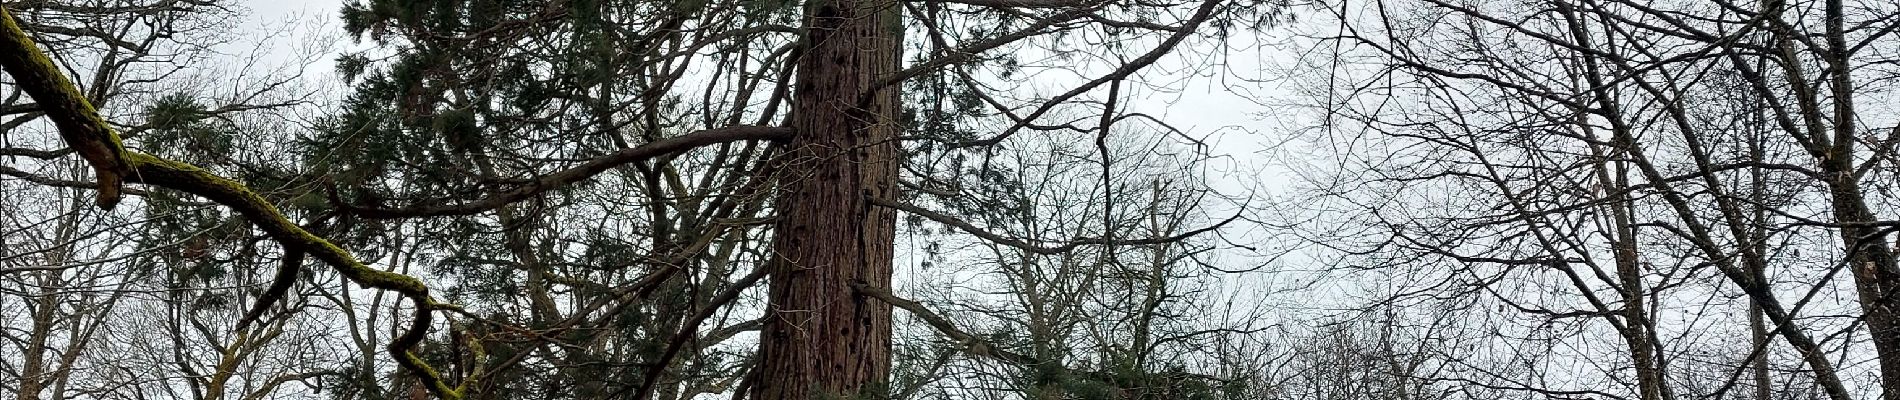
(582, 172)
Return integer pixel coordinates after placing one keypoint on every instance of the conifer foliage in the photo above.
(654, 198)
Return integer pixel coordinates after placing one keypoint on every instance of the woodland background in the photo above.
(950, 199)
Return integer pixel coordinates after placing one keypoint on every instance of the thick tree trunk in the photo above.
(821, 339)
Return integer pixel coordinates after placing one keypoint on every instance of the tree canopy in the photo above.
(949, 199)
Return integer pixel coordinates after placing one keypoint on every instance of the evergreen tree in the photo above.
(587, 189)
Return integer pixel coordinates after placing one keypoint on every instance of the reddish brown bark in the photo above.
(821, 339)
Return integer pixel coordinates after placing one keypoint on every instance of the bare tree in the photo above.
(1655, 172)
(570, 200)
(84, 286)
(1093, 322)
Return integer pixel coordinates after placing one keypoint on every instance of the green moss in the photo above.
(79, 123)
(479, 357)
(86, 132)
(190, 178)
(430, 376)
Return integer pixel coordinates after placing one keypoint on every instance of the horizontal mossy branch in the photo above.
(85, 131)
(79, 124)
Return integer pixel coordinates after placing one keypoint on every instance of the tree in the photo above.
(822, 339)
(92, 292)
(535, 176)
(1123, 322)
(1652, 172)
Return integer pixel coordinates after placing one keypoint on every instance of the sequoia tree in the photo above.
(573, 198)
(822, 339)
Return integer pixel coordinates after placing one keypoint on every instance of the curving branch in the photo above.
(85, 131)
(581, 172)
(79, 124)
(279, 287)
(1192, 25)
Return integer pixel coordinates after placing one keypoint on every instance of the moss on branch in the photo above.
(85, 131)
(79, 124)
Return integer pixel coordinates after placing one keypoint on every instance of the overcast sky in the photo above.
(1207, 106)
(1228, 109)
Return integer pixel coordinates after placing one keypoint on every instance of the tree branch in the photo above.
(581, 172)
(79, 124)
(85, 131)
(55, 182)
(689, 330)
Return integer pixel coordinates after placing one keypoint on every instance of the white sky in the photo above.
(1205, 106)
(1229, 109)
